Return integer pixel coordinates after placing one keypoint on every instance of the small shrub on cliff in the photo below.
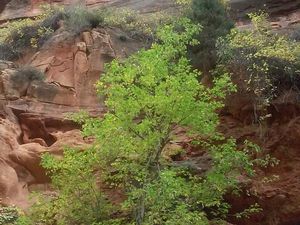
(7, 52)
(13, 26)
(52, 21)
(29, 36)
(25, 75)
(79, 18)
(11, 39)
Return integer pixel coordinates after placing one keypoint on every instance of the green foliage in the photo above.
(79, 200)
(13, 26)
(23, 220)
(15, 37)
(170, 200)
(213, 17)
(13, 216)
(145, 102)
(147, 96)
(21, 34)
(138, 25)
(7, 52)
(183, 2)
(255, 208)
(8, 215)
(270, 61)
(52, 20)
(28, 36)
(296, 35)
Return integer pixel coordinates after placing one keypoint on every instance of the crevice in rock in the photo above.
(62, 125)
(34, 130)
(38, 129)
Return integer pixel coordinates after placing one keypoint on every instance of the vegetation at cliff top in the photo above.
(21, 35)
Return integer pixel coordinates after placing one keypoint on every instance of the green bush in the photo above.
(8, 215)
(213, 17)
(52, 21)
(22, 34)
(23, 220)
(23, 38)
(269, 62)
(29, 36)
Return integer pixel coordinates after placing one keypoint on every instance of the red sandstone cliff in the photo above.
(35, 123)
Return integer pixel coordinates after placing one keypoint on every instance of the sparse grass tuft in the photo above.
(79, 18)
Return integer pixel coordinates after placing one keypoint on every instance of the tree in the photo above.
(213, 16)
(147, 96)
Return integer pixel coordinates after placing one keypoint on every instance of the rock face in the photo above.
(277, 189)
(284, 14)
(32, 121)
(12, 9)
(273, 7)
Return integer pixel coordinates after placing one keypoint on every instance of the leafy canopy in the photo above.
(148, 96)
